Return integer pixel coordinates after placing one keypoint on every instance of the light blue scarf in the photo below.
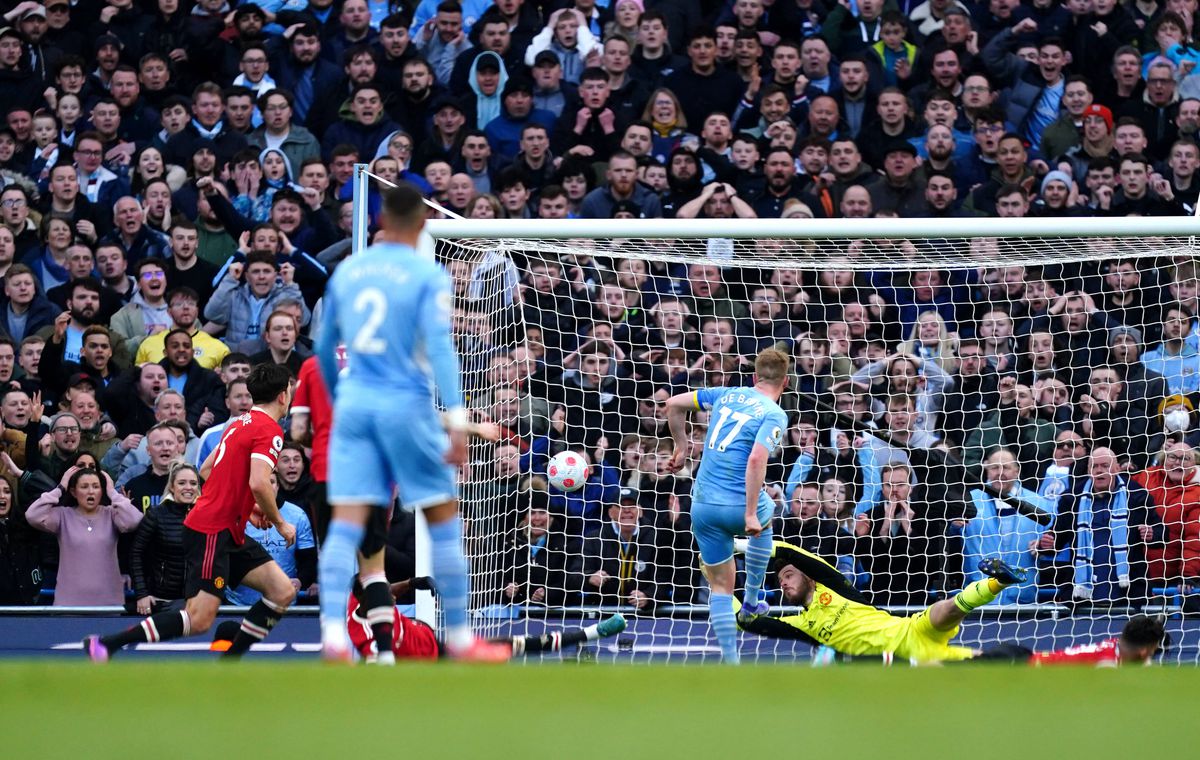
(1118, 525)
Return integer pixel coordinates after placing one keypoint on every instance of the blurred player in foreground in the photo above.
(218, 552)
(414, 640)
(838, 616)
(391, 308)
(744, 429)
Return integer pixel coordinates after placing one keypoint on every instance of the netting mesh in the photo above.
(950, 400)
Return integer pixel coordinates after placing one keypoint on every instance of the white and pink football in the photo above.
(567, 471)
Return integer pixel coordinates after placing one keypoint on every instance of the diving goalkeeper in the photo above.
(838, 616)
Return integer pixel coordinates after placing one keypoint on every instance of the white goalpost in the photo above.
(961, 388)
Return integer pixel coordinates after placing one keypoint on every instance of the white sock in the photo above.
(592, 632)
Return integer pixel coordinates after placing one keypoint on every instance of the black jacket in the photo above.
(157, 559)
(629, 566)
(202, 389)
(20, 567)
(547, 568)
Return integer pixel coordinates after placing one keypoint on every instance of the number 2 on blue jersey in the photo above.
(365, 340)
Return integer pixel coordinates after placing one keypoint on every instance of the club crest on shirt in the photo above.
(825, 599)
(218, 582)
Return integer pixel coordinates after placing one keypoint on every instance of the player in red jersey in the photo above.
(1141, 638)
(214, 535)
(1139, 641)
(414, 640)
(311, 421)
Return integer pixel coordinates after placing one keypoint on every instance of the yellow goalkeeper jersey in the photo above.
(840, 617)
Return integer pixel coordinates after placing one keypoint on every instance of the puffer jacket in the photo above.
(157, 559)
(1179, 507)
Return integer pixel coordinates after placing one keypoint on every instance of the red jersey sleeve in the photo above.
(267, 442)
(301, 401)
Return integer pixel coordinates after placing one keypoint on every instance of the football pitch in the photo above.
(302, 709)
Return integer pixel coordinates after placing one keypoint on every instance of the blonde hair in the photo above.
(177, 467)
(771, 366)
(947, 347)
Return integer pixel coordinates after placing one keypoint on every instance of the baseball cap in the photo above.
(79, 378)
(489, 62)
(1095, 109)
(8, 31)
(628, 495)
(37, 10)
(546, 58)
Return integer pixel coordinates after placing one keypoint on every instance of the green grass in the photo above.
(178, 709)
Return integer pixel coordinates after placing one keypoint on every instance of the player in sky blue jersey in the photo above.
(745, 426)
(391, 307)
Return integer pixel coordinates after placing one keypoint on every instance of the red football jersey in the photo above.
(411, 639)
(312, 397)
(226, 500)
(1101, 653)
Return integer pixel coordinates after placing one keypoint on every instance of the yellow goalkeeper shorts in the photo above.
(921, 642)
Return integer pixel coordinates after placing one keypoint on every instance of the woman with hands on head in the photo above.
(88, 571)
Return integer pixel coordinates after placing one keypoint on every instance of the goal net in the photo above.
(951, 399)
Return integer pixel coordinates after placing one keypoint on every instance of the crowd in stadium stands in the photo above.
(174, 194)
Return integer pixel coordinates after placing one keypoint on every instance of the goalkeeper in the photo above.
(838, 616)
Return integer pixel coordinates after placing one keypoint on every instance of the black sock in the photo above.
(161, 627)
(548, 642)
(258, 622)
(377, 606)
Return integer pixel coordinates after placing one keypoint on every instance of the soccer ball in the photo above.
(567, 471)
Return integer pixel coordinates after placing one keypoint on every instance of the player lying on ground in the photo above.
(414, 640)
(838, 616)
(1140, 640)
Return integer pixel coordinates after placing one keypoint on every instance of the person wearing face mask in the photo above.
(1178, 415)
(87, 530)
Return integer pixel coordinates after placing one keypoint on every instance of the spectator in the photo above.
(20, 560)
(622, 186)
(280, 332)
(297, 559)
(27, 311)
(1177, 358)
(1107, 526)
(899, 540)
(208, 124)
(538, 559)
(157, 557)
(237, 403)
(619, 564)
(87, 529)
(999, 529)
(183, 310)
(1174, 486)
(146, 313)
(238, 307)
(1015, 427)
